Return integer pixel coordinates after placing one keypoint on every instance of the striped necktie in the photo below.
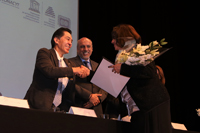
(87, 64)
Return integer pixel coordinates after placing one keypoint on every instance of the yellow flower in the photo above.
(140, 49)
(154, 52)
(155, 43)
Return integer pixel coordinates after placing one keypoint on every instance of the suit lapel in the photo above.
(54, 56)
(67, 62)
(93, 65)
(79, 61)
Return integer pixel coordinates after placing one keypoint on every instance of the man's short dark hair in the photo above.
(59, 33)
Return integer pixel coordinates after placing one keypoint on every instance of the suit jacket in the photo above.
(144, 86)
(41, 92)
(84, 87)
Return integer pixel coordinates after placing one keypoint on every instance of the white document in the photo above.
(82, 111)
(14, 102)
(107, 80)
(179, 126)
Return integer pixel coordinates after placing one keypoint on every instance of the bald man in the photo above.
(87, 94)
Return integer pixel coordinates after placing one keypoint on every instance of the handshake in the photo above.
(81, 71)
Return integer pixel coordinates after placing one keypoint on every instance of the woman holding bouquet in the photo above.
(146, 98)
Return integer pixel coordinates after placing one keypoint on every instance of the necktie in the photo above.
(87, 64)
(61, 84)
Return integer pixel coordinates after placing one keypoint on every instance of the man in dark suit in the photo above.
(87, 94)
(52, 73)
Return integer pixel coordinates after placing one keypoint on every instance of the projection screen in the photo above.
(25, 27)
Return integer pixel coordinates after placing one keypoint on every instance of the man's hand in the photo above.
(94, 99)
(81, 71)
(116, 68)
(86, 71)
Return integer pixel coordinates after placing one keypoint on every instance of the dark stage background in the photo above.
(153, 20)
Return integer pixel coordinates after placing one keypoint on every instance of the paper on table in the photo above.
(178, 126)
(82, 111)
(14, 102)
(107, 80)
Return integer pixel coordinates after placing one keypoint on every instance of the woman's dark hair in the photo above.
(122, 31)
(59, 33)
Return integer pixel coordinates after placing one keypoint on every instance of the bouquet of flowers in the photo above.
(141, 55)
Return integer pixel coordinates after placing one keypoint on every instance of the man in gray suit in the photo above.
(87, 94)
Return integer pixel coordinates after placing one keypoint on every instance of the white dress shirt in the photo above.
(62, 82)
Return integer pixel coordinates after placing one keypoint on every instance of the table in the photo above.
(20, 120)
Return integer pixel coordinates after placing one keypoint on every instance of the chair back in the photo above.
(160, 74)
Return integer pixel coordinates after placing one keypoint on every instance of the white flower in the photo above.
(142, 59)
(144, 48)
(155, 43)
(141, 55)
(148, 56)
(154, 52)
(140, 49)
(133, 59)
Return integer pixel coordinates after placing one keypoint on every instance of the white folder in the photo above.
(107, 80)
